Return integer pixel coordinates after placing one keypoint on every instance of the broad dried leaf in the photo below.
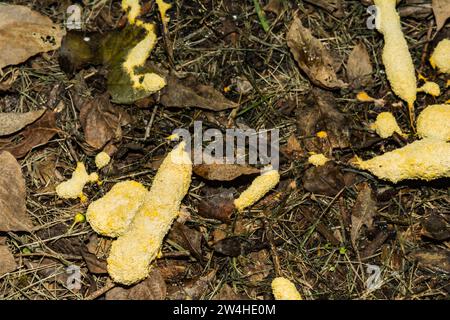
(320, 114)
(13, 212)
(326, 179)
(223, 172)
(188, 93)
(188, 238)
(101, 121)
(192, 289)
(359, 67)
(25, 33)
(7, 262)
(438, 260)
(441, 10)
(12, 122)
(152, 288)
(312, 57)
(363, 211)
(36, 134)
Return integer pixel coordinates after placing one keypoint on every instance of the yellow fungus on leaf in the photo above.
(102, 159)
(259, 187)
(137, 56)
(132, 252)
(425, 159)
(73, 188)
(431, 88)
(318, 159)
(441, 56)
(386, 125)
(434, 122)
(322, 134)
(364, 97)
(283, 289)
(396, 57)
(112, 214)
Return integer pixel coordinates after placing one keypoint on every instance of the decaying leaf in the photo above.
(25, 33)
(7, 262)
(363, 211)
(192, 289)
(12, 122)
(152, 288)
(13, 212)
(188, 93)
(36, 134)
(188, 238)
(227, 293)
(437, 260)
(312, 57)
(319, 114)
(231, 246)
(359, 67)
(326, 179)
(275, 6)
(441, 10)
(435, 227)
(223, 172)
(101, 121)
(219, 206)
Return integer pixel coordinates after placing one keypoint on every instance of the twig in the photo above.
(94, 295)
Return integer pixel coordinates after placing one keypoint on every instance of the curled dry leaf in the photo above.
(13, 212)
(312, 57)
(437, 260)
(359, 67)
(152, 288)
(363, 211)
(188, 93)
(7, 262)
(101, 121)
(223, 172)
(441, 10)
(11, 122)
(25, 33)
(36, 134)
(275, 6)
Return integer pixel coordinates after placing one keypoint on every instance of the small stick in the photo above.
(273, 248)
(94, 295)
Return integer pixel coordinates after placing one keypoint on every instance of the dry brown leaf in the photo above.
(36, 134)
(219, 206)
(223, 172)
(359, 67)
(188, 93)
(312, 57)
(11, 122)
(438, 260)
(227, 293)
(275, 6)
(363, 211)
(13, 211)
(231, 246)
(152, 288)
(7, 262)
(320, 114)
(25, 33)
(435, 227)
(441, 10)
(192, 289)
(101, 121)
(293, 149)
(188, 238)
(326, 179)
